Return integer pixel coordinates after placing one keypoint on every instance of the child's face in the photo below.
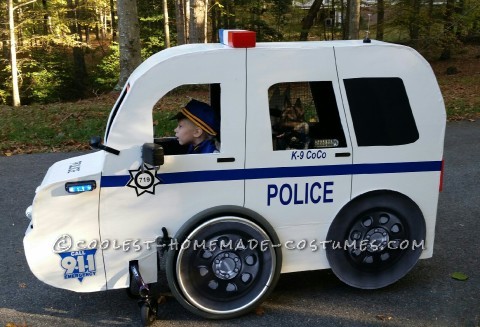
(186, 132)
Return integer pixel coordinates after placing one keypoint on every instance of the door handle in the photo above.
(229, 159)
(342, 154)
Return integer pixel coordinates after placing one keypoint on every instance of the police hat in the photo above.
(201, 114)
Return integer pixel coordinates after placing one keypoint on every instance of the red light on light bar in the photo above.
(238, 38)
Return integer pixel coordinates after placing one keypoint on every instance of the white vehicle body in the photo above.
(84, 242)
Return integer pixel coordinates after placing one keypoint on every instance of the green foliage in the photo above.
(45, 86)
(152, 44)
(106, 73)
(265, 17)
(44, 77)
(5, 82)
(151, 33)
(3, 96)
(40, 82)
(49, 71)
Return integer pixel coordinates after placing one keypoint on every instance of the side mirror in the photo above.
(96, 143)
(153, 154)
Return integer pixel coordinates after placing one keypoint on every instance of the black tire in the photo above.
(132, 289)
(223, 282)
(147, 315)
(131, 293)
(376, 240)
(162, 282)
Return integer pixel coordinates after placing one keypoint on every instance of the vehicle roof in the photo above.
(192, 49)
(320, 44)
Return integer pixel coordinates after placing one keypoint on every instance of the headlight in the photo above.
(80, 187)
(28, 212)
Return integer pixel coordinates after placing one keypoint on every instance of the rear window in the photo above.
(304, 115)
(381, 112)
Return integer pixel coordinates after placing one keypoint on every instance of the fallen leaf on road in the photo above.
(259, 311)
(384, 317)
(459, 276)
(162, 300)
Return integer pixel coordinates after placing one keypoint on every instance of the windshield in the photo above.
(115, 109)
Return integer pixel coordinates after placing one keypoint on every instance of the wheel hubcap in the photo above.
(376, 237)
(226, 265)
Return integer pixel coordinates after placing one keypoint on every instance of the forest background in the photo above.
(60, 60)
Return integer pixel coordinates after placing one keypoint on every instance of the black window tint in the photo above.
(381, 112)
(304, 115)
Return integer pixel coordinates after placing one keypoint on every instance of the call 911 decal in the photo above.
(78, 264)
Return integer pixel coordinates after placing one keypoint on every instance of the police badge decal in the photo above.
(143, 180)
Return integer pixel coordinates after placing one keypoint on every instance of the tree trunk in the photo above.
(345, 5)
(460, 11)
(180, 21)
(448, 35)
(47, 22)
(214, 23)
(128, 39)
(5, 49)
(307, 21)
(87, 34)
(414, 24)
(186, 21)
(380, 19)
(79, 66)
(333, 16)
(346, 20)
(114, 24)
(13, 56)
(205, 22)
(165, 24)
(104, 24)
(430, 17)
(197, 21)
(354, 21)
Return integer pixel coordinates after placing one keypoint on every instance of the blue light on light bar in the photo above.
(79, 187)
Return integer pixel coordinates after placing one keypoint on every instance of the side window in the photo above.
(304, 115)
(381, 112)
(168, 109)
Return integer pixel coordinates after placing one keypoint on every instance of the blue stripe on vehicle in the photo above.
(281, 172)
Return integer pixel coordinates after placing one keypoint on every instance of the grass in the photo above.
(460, 90)
(50, 128)
(462, 96)
(68, 126)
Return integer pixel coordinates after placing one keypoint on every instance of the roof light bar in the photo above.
(80, 187)
(238, 38)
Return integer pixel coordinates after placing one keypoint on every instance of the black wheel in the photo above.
(131, 293)
(147, 315)
(224, 267)
(162, 282)
(132, 289)
(376, 240)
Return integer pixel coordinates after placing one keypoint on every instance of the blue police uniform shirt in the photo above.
(207, 146)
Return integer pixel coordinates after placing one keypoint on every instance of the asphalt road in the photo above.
(427, 296)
